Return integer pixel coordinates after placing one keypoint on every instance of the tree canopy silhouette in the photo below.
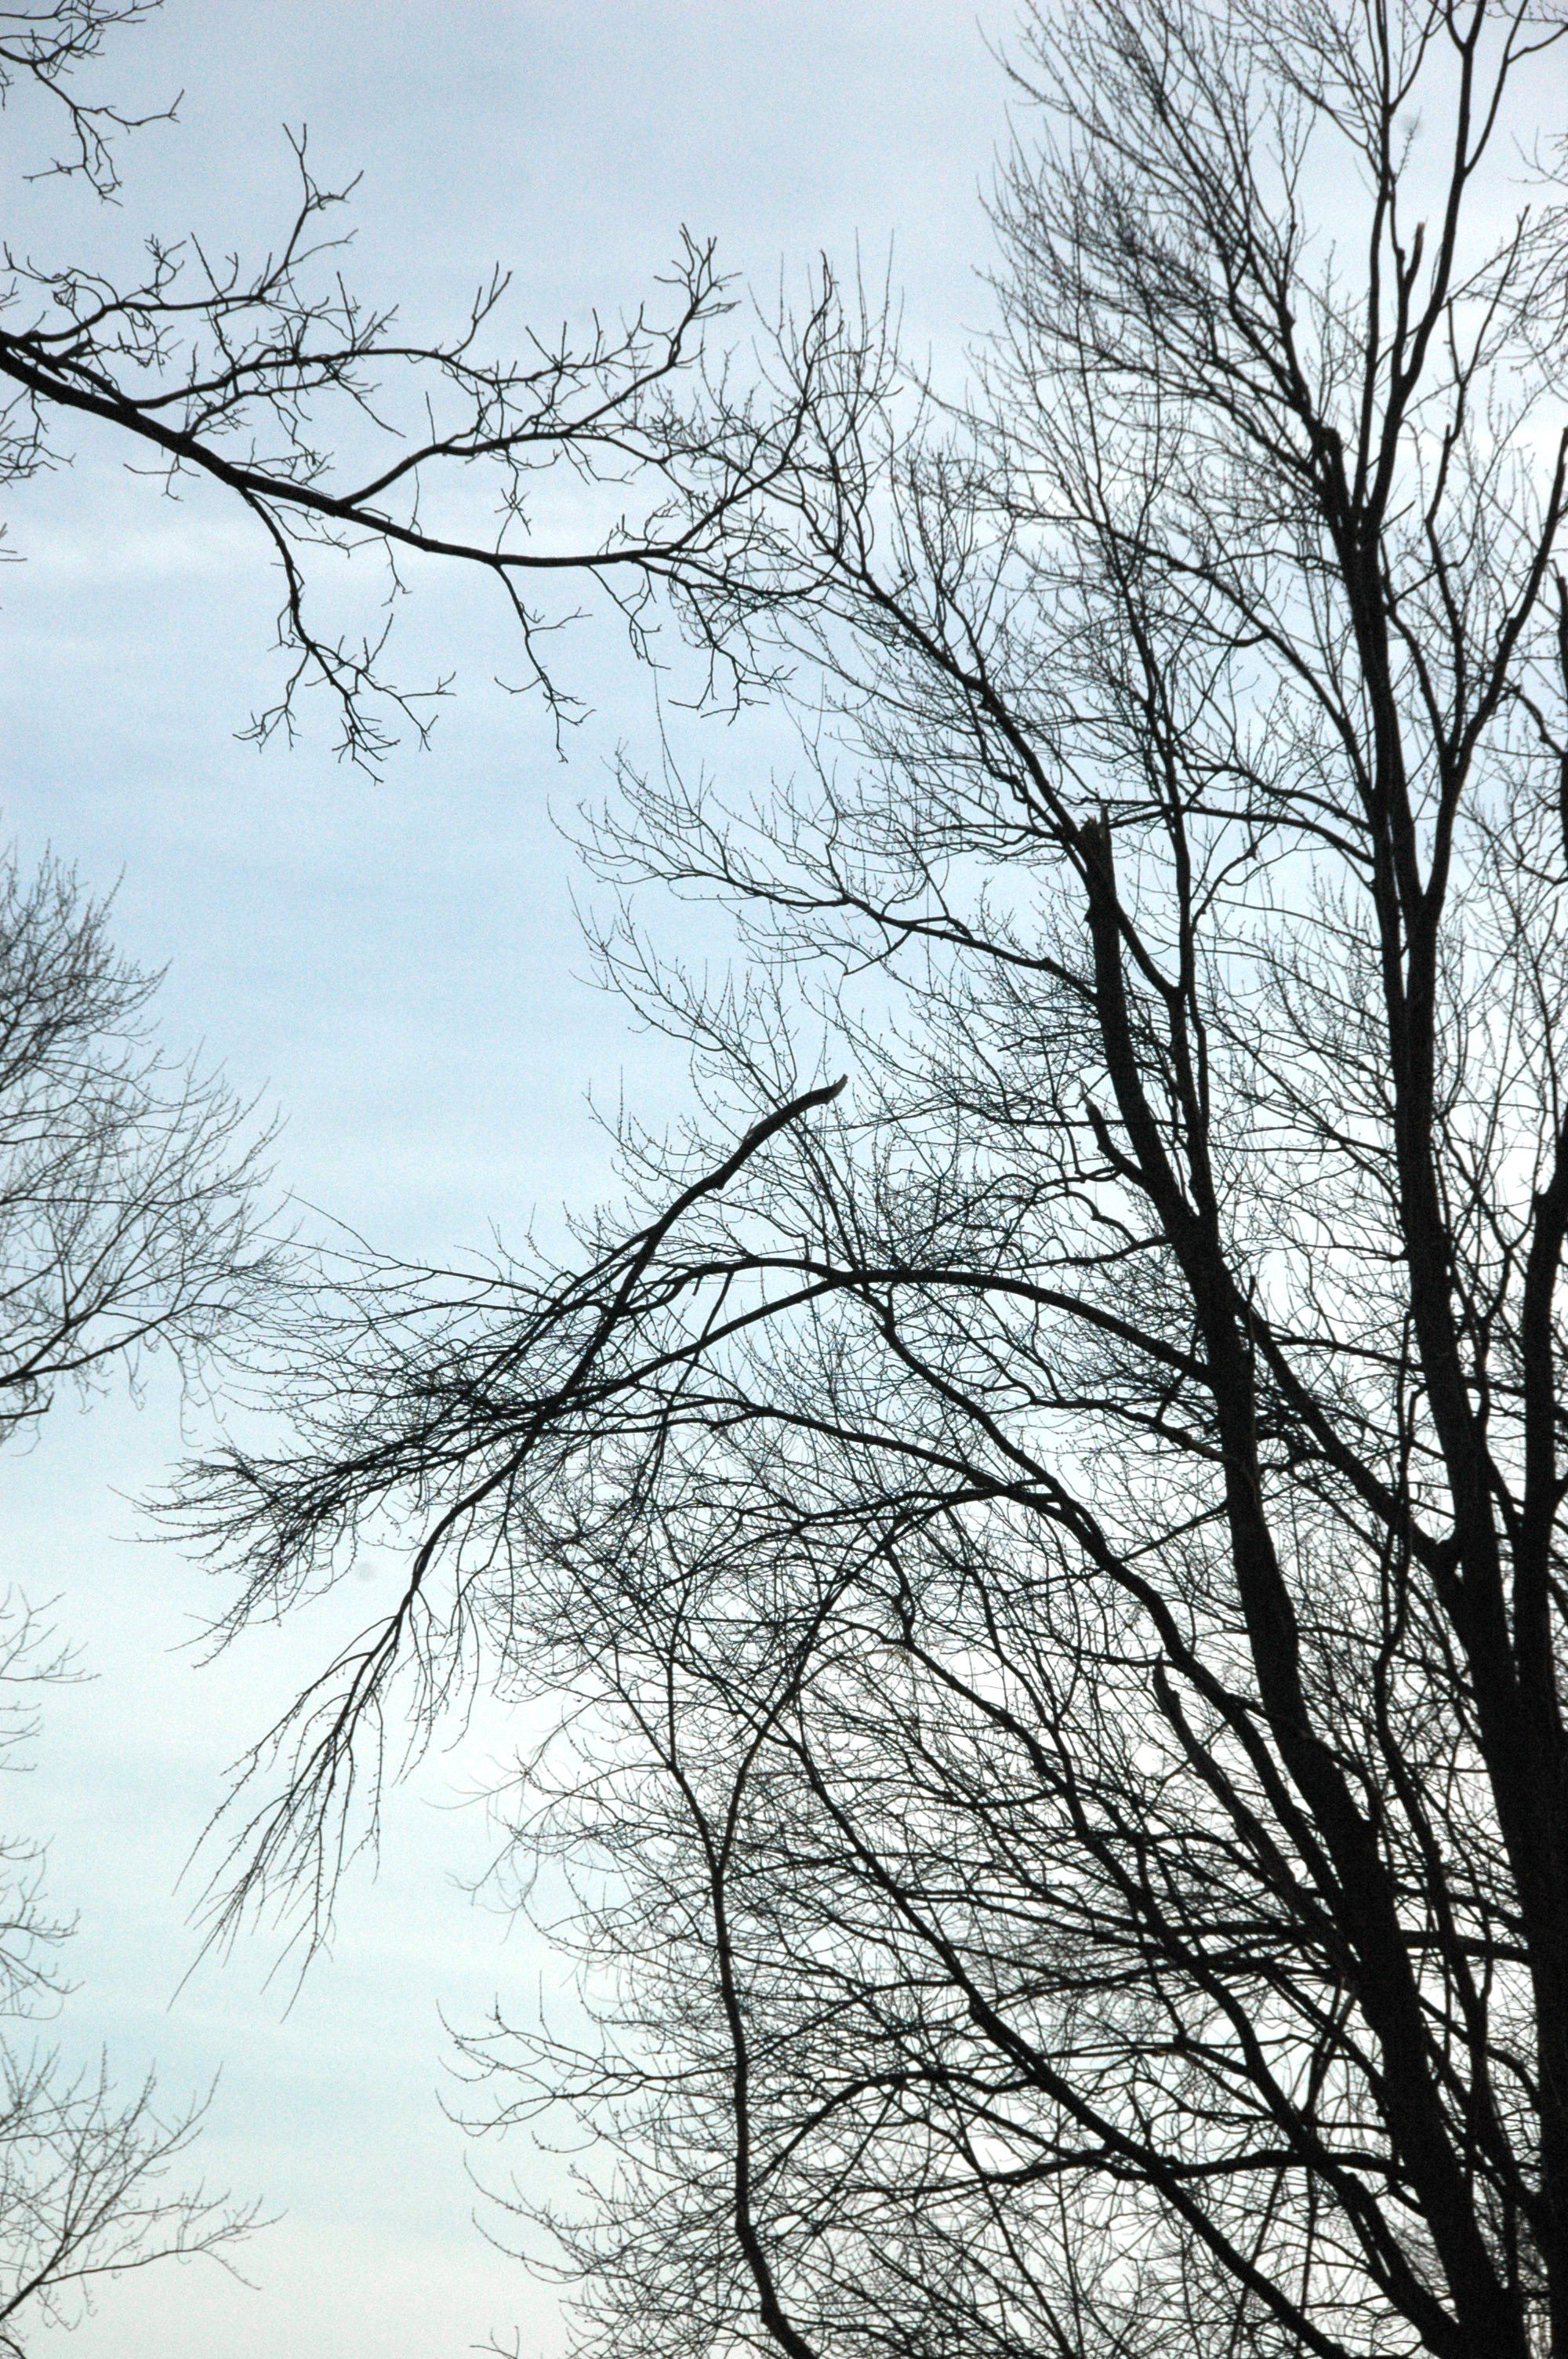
(1051, 1548)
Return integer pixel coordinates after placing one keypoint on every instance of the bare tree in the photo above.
(336, 432)
(127, 1184)
(83, 2167)
(129, 1221)
(1051, 1551)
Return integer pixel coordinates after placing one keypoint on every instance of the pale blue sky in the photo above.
(393, 967)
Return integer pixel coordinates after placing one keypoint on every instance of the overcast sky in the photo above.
(394, 968)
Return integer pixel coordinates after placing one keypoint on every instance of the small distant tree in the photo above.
(128, 1221)
(127, 1187)
(84, 2167)
(1052, 1545)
